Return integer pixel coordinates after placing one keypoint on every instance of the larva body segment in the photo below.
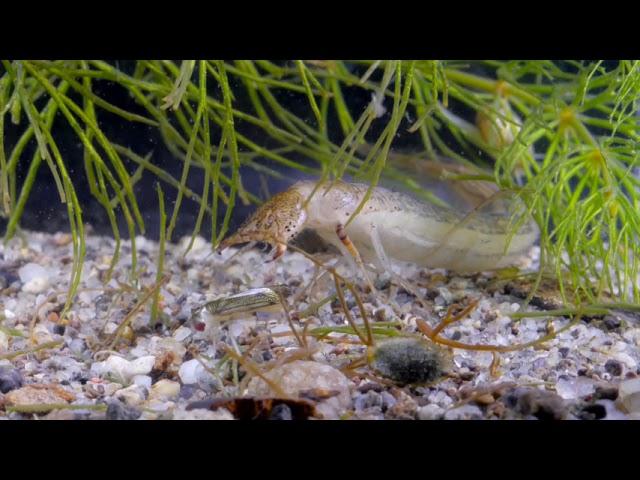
(413, 231)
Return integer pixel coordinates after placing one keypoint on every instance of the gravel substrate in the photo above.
(66, 369)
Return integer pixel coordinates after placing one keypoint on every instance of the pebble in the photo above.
(611, 322)
(38, 394)
(301, 375)
(629, 395)
(465, 412)
(627, 359)
(203, 414)
(34, 277)
(367, 400)
(98, 389)
(160, 345)
(10, 379)
(143, 381)
(191, 371)
(132, 395)
(123, 370)
(117, 410)
(430, 412)
(164, 390)
(41, 334)
(541, 404)
(182, 333)
(613, 367)
(200, 245)
(575, 388)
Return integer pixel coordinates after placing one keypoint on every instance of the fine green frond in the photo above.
(560, 136)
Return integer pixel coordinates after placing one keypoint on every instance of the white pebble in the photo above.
(575, 388)
(629, 395)
(122, 369)
(143, 381)
(132, 395)
(283, 340)
(42, 335)
(34, 277)
(110, 328)
(465, 412)
(142, 365)
(626, 359)
(164, 390)
(4, 342)
(9, 314)
(430, 412)
(202, 414)
(182, 334)
(99, 388)
(199, 244)
(190, 371)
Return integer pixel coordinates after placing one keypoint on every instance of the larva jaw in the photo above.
(276, 222)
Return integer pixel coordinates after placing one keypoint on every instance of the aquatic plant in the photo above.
(560, 135)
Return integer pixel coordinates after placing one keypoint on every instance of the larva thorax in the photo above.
(277, 221)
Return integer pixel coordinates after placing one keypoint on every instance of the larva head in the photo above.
(276, 222)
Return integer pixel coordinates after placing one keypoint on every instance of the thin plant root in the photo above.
(494, 368)
(255, 370)
(129, 318)
(48, 407)
(283, 303)
(19, 353)
(340, 293)
(353, 251)
(450, 318)
(347, 313)
(425, 329)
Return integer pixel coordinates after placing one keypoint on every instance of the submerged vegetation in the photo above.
(562, 136)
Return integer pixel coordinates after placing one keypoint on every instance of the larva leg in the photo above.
(279, 251)
(384, 260)
(353, 251)
(381, 256)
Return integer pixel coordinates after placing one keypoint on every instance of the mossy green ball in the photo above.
(409, 360)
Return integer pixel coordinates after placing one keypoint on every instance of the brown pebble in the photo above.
(164, 361)
(496, 409)
(485, 399)
(376, 387)
(466, 376)
(38, 394)
(606, 392)
(380, 315)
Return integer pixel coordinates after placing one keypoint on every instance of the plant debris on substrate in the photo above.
(107, 358)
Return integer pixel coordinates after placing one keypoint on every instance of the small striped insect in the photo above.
(240, 305)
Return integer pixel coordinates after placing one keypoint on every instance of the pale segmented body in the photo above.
(391, 225)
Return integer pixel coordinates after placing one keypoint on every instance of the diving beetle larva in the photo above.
(391, 225)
